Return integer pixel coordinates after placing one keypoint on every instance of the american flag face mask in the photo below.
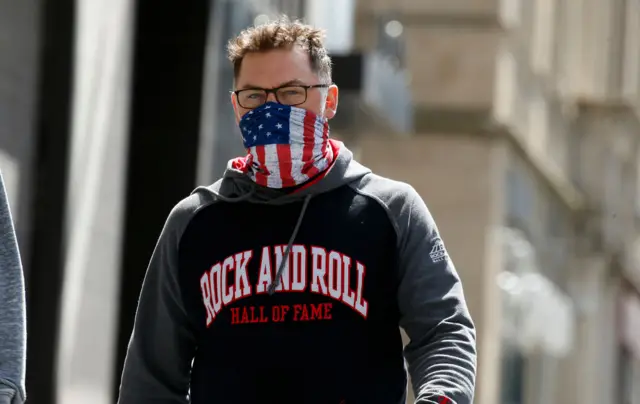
(287, 145)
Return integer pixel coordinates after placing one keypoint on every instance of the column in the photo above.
(86, 353)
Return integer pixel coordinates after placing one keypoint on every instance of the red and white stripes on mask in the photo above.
(287, 145)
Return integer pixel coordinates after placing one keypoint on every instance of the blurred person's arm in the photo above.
(12, 310)
(441, 353)
(158, 363)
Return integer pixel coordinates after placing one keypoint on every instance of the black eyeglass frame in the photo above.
(274, 91)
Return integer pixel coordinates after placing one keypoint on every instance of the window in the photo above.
(570, 46)
(538, 131)
(543, 36)
(574, 154)
(616, 42)
(521, 197)
(524, 94)
(510, 13)
(543, 373)
(625, 369)
(557, 245)
(631, 68)
(526, 29)
(637, 196)
(391, 40)
(613, 192)
(506, 83)
(558, 137)
(512, 381)
(560, 42)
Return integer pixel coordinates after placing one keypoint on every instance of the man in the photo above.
(12, 310)
(286, 281)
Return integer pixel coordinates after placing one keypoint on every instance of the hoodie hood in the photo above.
(236, 186)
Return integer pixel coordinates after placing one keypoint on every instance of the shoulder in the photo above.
(184, 211)
(399, 199)
(390, 193)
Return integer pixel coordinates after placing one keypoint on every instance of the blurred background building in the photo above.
(518, 121)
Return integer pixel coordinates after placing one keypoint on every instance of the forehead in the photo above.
(274, 67)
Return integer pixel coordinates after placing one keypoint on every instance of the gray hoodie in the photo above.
(441, 355)
(12, 310)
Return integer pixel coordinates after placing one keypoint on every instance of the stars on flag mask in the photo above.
(287, 145)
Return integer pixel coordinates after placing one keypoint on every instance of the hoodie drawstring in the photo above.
(285, 259)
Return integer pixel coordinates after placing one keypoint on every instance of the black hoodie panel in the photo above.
(326, 348)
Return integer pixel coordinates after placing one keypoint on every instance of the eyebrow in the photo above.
(294, 82)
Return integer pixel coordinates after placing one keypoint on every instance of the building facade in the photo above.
(525, 146)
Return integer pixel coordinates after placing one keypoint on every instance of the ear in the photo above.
(236, 111)
(331, 104)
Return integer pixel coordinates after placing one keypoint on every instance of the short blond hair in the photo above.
(282, 34)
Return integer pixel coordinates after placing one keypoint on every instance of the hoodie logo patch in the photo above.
(438, 252)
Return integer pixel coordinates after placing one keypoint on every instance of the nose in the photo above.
(271, 97)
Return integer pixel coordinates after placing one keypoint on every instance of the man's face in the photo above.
(279, 67)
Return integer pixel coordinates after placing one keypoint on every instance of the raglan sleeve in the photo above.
(161, 349)
(441, 352)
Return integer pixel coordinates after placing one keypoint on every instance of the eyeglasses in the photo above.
(251, 98)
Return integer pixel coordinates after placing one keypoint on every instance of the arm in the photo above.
(12, 310)
(158, 363)
(441, 353)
